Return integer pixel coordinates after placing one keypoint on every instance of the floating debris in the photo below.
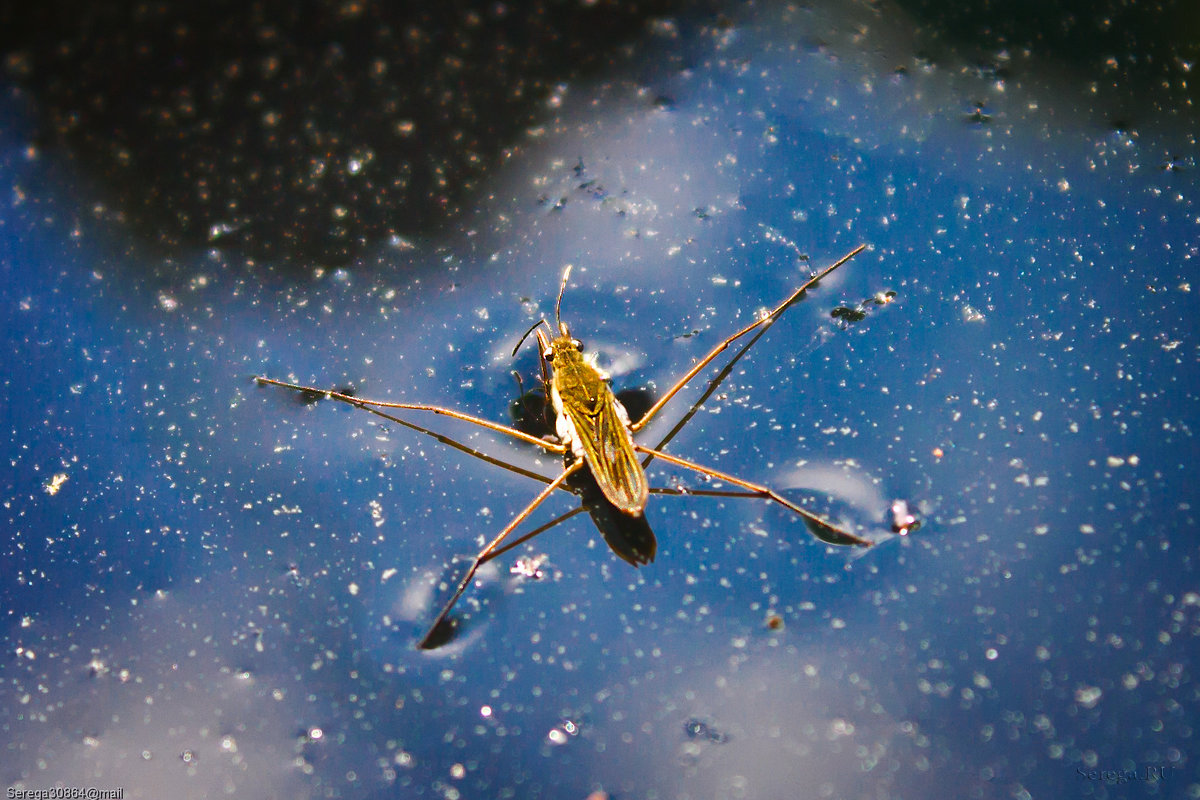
(904, 519)
(699, 729)
(55, 484)
(529, 567)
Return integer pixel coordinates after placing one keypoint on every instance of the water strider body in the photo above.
(591, 421)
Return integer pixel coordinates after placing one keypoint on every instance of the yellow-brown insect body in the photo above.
(593, 423)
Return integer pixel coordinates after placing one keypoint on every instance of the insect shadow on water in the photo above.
(595, 430)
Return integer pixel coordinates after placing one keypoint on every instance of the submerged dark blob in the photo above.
(531, 413)
(636, 401)
(695, 728)
(848, 315)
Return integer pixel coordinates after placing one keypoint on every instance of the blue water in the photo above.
(223, 591)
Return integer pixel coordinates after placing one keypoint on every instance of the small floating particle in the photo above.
(55, 484)
(971, 314)
(529, 567)
(904, 519)
(1088, 696)
(695, 728)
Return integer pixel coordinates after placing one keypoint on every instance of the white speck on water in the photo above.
(1088, 696)
(971, 314)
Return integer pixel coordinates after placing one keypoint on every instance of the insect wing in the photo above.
(607, 447)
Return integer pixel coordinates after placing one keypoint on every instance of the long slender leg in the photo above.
(833, 535)
(677, 492)
(457, 445)
(560, 519)
(716, 351)
(448, 412)
(462, 448)
(425, 643)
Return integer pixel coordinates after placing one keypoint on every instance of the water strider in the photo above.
(594, 430)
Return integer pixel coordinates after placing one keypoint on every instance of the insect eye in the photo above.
(578, 345)
(548, 355)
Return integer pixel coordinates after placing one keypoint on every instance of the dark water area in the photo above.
(209, 587)
(296, 133)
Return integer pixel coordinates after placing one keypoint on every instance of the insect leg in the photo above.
(448, 412)
(708, 392)
(560, 519)
(427, 642)
(716, 351)
(462, 448)
(825, 531)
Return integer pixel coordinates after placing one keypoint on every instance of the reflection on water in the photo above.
(220, 571)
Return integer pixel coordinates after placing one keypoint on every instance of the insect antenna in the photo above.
(557, 316)
(558, 303)
(525, 335)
